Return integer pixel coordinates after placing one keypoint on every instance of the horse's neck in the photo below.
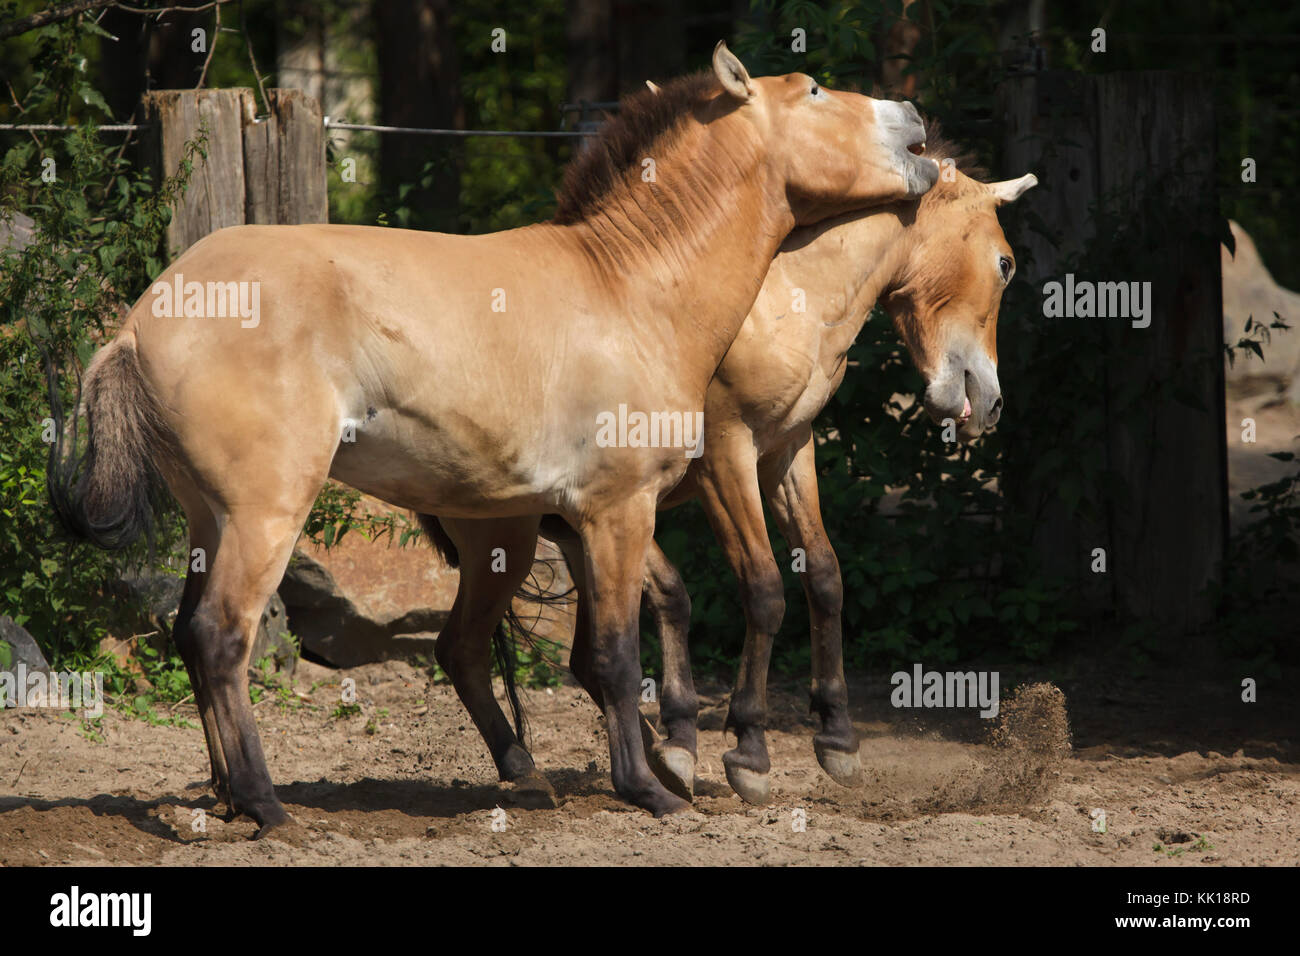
(687, 260)
(845, 267)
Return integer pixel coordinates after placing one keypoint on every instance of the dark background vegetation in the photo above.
(944, 575)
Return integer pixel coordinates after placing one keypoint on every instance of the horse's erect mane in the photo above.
(644, 119)
(939, 148)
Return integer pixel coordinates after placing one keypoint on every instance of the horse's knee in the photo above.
(823, 583)
(671, 605)
(764, 597)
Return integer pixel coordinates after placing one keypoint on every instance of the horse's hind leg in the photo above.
(255, 545)
(495, 556)
(203, 547)
(792, 493)
(730, 495)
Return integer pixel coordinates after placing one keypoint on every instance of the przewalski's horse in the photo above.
(939, 267)
(463, 376)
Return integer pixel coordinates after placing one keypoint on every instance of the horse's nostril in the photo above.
(997, 406)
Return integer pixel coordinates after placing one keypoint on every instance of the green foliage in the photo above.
(98, 228)
(339, 509)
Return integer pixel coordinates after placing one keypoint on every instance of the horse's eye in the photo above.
(1005, 265)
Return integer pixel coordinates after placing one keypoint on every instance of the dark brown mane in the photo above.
(644, 120)
(939, 148)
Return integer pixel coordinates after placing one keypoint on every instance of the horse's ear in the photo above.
(1009, 190)
(731, 73)
(652, 86)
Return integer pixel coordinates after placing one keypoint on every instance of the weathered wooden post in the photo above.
(1118, 146)
(284, 161)
(215, 196)
(270, 170)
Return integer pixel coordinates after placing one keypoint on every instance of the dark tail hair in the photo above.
(507, 655)
(107, 493)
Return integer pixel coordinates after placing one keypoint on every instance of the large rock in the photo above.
(1250, 292)
(344, 632)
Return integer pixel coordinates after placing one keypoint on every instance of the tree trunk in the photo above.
(419, 85)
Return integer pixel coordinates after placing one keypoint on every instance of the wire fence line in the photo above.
(329, 123)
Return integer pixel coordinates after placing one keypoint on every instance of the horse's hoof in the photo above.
(533, 792)
(675, 768)
(752, 787)
(674, 804)
(844, 768)
(285, 829)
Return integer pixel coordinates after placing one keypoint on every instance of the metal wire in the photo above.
(553, 134)
(329, 124)
(55, 127)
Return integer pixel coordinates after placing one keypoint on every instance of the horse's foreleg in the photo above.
(673, 765)
(495, 557)
(615, 542)
(796, 506)
(730, 495)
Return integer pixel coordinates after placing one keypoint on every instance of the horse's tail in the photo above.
(504, 639)
(440, 540)
(512, 632)
(108, 492)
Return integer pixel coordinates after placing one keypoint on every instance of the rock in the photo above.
(332, 626)
(1249, 291)
(16, 233)
(274, 640)
(21, 647)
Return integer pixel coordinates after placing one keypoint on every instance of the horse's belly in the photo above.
(441, 473)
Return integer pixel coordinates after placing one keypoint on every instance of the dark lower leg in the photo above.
(463, 649)
(670, 606)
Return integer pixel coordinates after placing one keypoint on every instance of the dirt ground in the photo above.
(407, 781)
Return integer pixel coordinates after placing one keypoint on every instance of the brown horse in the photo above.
(939, 266)
(462, 375)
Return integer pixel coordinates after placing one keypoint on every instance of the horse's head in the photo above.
(947, 293)
(835, 151)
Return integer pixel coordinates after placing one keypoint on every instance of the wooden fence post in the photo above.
(215, 196)
(1111, 142)
(268, 171)
(284, 161)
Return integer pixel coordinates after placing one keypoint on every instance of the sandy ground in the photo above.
(407, 781)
